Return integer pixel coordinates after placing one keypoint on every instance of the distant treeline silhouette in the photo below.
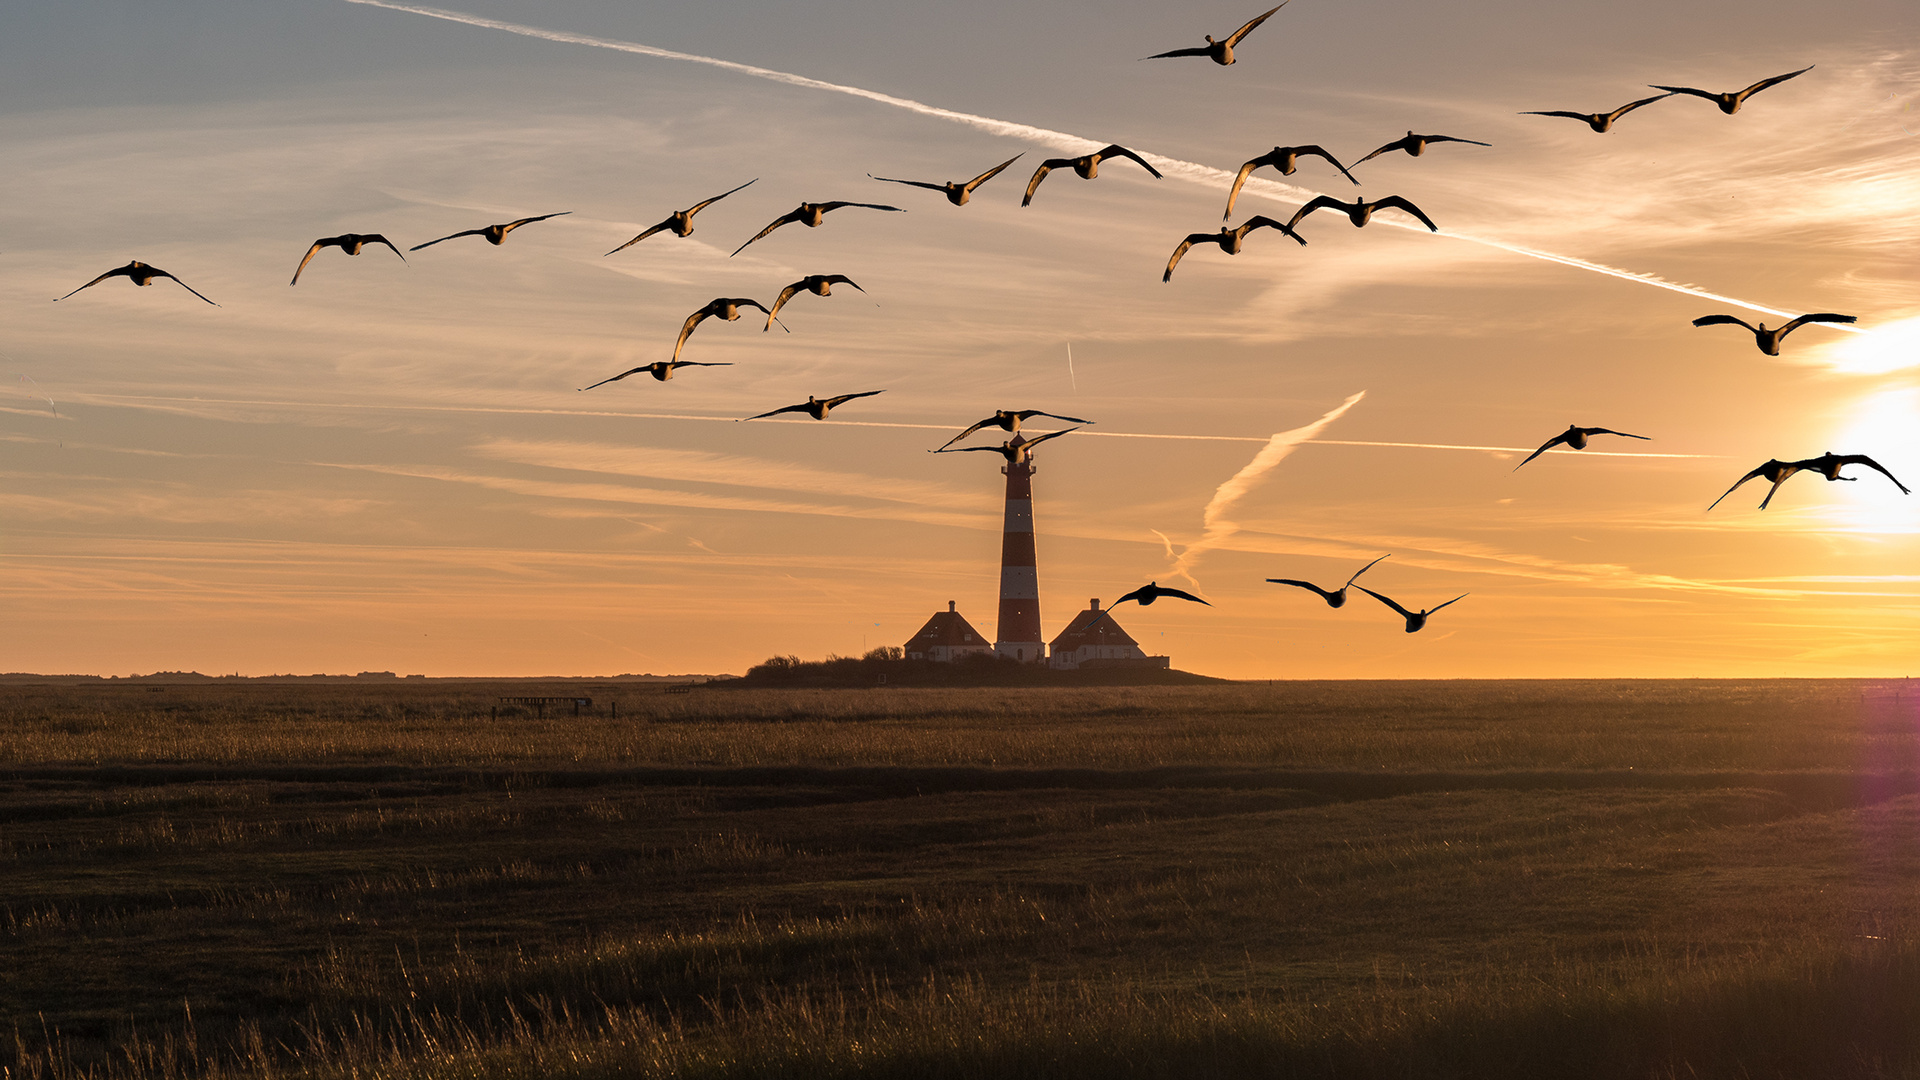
(889, 666)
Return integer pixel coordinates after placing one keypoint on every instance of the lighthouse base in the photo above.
(1026, 652)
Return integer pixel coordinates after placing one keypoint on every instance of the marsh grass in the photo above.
(1448, 880)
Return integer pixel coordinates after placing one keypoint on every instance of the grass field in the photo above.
(1584, 879)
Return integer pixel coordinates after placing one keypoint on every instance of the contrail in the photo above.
(1071, 144)
(1215, 526)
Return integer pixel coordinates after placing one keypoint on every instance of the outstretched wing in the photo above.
(317, 245)
(1610, 431)
(1404, 613)
(1255, 21)
(965, 449)
(376, 238)
(444, 239)
(512, 225)
(1318, 202)
(1449, 138)
(1241, 178)
(792, 215)
(162, 273)
(1316, 151)
(1192, 239)
(1764, 83)
(841, 279)
(1028, 414)
(1136, 596)
(699, 206)
(1455, 600)
(836, 402)
(1200, 51)
(1546, 446)
(622, 375)
(1398, 203)
(1324, 594)
(1715, 98)
(831, 206)
(1116, 150)
(1585, 118)
(1261, 221)
(1632, 105)
(1181, 594)
(1040, 174)
(1862, 459)
(993, 172)
(910, 183)
(786, 294)
(667, 224)
(121, 271)
(1716, 320)
(1031, 443)
(790, 408)
(969, 431)
(693, 320)
(698, 363)
(1761, 471)
(1397, 144)
(1364, 569)
(1826, 317)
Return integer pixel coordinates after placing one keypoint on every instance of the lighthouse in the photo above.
(1018, 636)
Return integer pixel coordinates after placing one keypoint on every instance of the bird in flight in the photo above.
(1088, 167)
(1730, 103)
(681, 221)
(1415, 145)
(1415, 619)
(140, 274)
(1575, 438)
(817, 284)
(493, 233)
(1601, 122)
(1015, 450)
(810, 215)
(1287, 160)
(1334, 599)
(1221, 52)
(1145, 595)
(351, 243)
(1360, 212)
(660, 369)
(1229, 240)
(1769, 340)
(1009, 420)
(1828, 464)
(817, 407)
(957, 192)
(724, 307)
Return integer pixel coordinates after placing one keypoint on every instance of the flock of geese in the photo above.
(1230, 240)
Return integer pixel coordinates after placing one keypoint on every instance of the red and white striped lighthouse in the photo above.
(1018, 637)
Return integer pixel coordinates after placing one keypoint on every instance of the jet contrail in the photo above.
(1071, 144)
(1215, 526)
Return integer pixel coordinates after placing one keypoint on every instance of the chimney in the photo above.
(1018, 637)
(950, 606)
(1095, 604)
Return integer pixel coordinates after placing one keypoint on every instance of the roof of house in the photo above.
(947, 628)
(1108, 633)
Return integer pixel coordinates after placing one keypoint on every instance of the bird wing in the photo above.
(1716, 320)
(1610, 431)
(1757, 472)
(622, 375)
(1031, 443)
(968, 432)
(836, 402)
(376, 238)
(912, 183)
(1686, 90)
(1364, 569)
(1397, 144)
(1546, 446)
(1826, 317)
(162, 273)
(667, 224)
(1251, 23)
(1455, 600)
(1449, 138)
(1317, 151)
(1324, 594)
(1261, 221)
(1028, 414)
(699, 206)
(317, 245)
(1040, 174)
(1192, 239)
(512, 225)
(1764, 83)
(1181, 595)
(1404, 613)
(455, 236)
(993, 172)
(1784, 476)
(831, 206)
(790, 408)
(1135, 596)
(1245, 171)
(1116, 150)
(786, 294)
(98, 280)
(965, 449)
(1587, 117)
(1200, 51)
(841, 279)
(693, 320)
(1398, 203)
(1632, 105)
(1318, 202)
(792, 215)
(1862, 459)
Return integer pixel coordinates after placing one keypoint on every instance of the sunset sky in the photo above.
(389, 466)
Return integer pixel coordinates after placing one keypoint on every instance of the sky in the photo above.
(390, 465)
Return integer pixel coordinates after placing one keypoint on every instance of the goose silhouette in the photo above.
(351, 243)
(1415, 145)
(723, 307)
(1730, 103)
(817, 407)
(810, 215)
(1335, 599)
(1360, 212)
(1221, 52)
(494, 233)
(1229, 240)
(1144, 596)
(817, 284)
(1769, 340)
(1015, 450)
(1009, 420)
(659, 369)
(140, 274)
(681, 221)
(1828, 465)
(1575, 438)
(1087, 167)
(1287, 160)
(1601, 122)
(957, 193)
(1415, 619)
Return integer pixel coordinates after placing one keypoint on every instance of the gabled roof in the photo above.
(947, 628)
(1107, 633)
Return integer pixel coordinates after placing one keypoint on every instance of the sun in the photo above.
(1894, 346)
(1882, 426)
